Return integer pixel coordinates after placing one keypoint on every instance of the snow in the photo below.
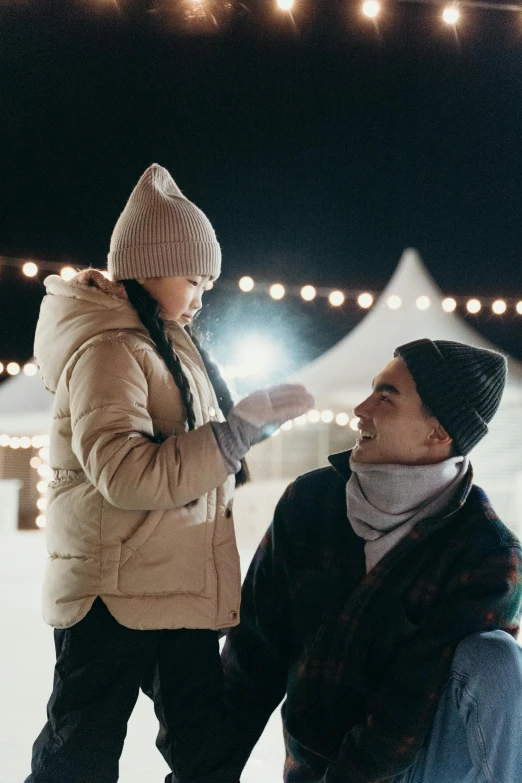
(26, 671)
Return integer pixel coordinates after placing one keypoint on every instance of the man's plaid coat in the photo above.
(362, 658)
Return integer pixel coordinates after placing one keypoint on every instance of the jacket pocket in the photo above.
(166, 554)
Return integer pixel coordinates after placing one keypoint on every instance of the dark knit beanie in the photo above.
(460, 384)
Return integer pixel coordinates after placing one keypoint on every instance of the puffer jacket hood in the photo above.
(73, 312)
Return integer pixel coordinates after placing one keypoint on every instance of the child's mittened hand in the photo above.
(275, 405)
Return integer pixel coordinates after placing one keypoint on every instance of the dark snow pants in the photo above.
(100, 668)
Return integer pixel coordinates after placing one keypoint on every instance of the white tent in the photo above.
(341, 377)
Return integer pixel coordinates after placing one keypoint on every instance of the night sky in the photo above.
(318, 150)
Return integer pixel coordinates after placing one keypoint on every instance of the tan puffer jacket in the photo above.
(145, 525)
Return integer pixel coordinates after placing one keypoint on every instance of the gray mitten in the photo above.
(258, 416)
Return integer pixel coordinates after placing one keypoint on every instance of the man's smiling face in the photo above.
(394, 427)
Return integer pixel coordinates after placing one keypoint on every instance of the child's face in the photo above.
(178, 297)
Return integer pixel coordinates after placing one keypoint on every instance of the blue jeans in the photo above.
(476, 736)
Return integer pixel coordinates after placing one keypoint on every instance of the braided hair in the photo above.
(148, 311)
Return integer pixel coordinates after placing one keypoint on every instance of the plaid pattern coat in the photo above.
(362, 658)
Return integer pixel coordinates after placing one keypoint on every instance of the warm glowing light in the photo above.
(35, 462)
(30, 369)
(277, 291)
(342, 419)
(451, 14)
(13, 368)
(41, 504)
(519, 308)
(499, 307)
(277, 432)
(287, 426)
(354, 424)
(42, 487)
(423, 302)
(30, 269)
(4, 440)
(474, 306)
(45, 440)
(371, 9)
(14, 443)
(308, 293)
(40, 521)
(106, 274)
(246, 284)
(313, 416)
(336, 298)
(1, 367)
(394, 302)
(44, 453)
(36, 442)
(44, 471)
(449, 304)
(67, 272)
(285, 5)
(327, 416)
(365, 301)
(25, 442)
(301, 420)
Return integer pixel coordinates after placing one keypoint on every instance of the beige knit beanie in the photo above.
(160, 233)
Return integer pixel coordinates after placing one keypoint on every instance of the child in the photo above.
(143, 567)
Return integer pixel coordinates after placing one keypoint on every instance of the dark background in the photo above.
(319, 149)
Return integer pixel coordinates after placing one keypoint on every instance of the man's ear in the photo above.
(438, 436)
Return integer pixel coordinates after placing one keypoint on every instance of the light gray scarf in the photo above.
(384, 502)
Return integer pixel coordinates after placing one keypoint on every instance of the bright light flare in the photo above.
(67, 273)
(474, 306)
(13, 368)
(30, 269)
(519, 308)
(4, 440)
(287, 426)
(285, 5)
(423, 302)
(308, 293)
(1, 367)
(499, 307)
(451, 14)
(313, 416)
(342, 419)
(365, 301)
(277, 291)
(449, 304)
(25, 442)
(394, 302)
(327, 416)
(246, 284)
(40, 521)
(354, 425)
(371, 9)
(336, 298)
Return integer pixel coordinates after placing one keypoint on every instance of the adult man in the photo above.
(386, 595)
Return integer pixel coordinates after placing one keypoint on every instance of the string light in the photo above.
(423, 302)
(451, 14)
(449, 304)
(342, 419)
(30, 369)
(519, 308)
(308, 293)
(336, 298)
(4, 440)
(13, 368)
(365, 301)
(246, 284)
(287, 426)
(371, 9)
(277, 291)
(327, 416)
(474, 306)
(394, 302)
(301, 420)
(354, 424)
(30, 269)
(40, 521)
(67, 273)
(285, 5)
(499, 307)
(313, 416)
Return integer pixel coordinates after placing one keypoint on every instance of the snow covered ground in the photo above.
(26, 668)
